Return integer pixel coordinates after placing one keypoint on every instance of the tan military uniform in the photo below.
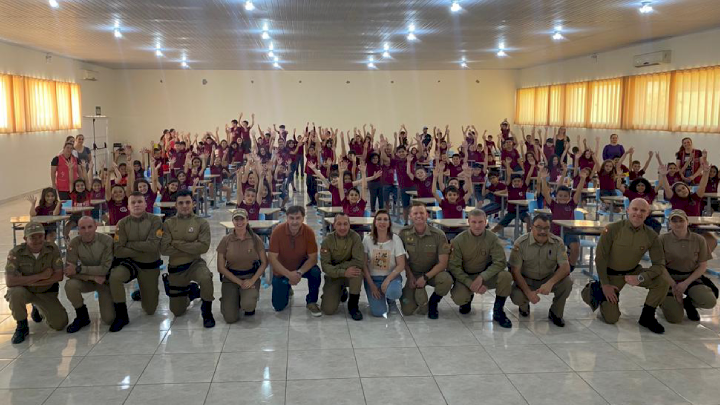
(21, 261)
(682, 257)
(91, 260)
(619, 251)
(474, 256)
(538, 264)
(138, 239)
(337, 255)
(242, 258)
(423, 254)
(185, 239)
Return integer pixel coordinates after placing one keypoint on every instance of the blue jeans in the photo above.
(281, 289)
(375, 189)
(379, 307)
(387, 191)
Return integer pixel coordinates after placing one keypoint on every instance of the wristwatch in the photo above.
(641, 278)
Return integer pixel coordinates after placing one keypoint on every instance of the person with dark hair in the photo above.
(185, 238)
(428, 251)
(640, 188)
(477, 264)
(241, 262)
(689, 158)
(63, 168)
(539, 266)
(384, 262)
(613, 149)
(620, 249)
(88, 263)
(452, 204)
(293, 256)
(137, 256)
(562, 207)
(48, 205)
(341, 258)
(516, 189)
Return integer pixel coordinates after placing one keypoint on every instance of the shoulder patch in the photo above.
(446, 246)
(159, 233)
(116, 237)
(607, 229)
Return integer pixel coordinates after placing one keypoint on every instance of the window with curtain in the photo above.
(525, 106)
(695, 104)
(605, 103)
(29, 104)
(647, 102)
(556, 105)
(576, 104)
(541, 105)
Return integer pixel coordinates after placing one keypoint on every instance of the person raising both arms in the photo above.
(48, 205)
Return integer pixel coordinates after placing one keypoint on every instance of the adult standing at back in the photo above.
(81, 152)
(620, 249)
(428, 251)
(60, 168)
(613, 149)
(688, 154)
(293, 256)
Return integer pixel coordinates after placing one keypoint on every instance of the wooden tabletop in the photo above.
(265, 211)
(212, 176)
(451, 223)
(97, 202)
(435, 208)
(425, 200)
(330, 210)
(75, 210)
(106, 229)
(353, 220)
(325, 200)
(581, 224)
(704, 220)
(711, 195)
(165, 204)
(44, 219)
(411, 192)
(324, 192)
(253, 224)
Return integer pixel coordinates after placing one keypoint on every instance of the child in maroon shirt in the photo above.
(563, 208)
(352, 203)
(423, 182)
(249, 203)
(493, 207)
(516, 189)
(452, 205)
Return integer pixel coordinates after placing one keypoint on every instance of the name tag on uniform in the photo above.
(191, 229)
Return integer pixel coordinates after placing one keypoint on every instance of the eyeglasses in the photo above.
(542, 228)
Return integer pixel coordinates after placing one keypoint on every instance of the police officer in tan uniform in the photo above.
(241, 262)
(33, 272)
(137, 255)
(477, 263)
(428, 252)
(88, 261)
(185, 238)
(539, 266)
(620, 249)
(341, 258)
(686, 257)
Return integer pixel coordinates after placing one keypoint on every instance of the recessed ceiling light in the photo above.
(117, 33)
(386, 46)
(276, 59)
(558, 36)
(411, 27)
(184, 64)
(371, 65)
(53, 3)
(265, 26)
(411, 37)
(501, 53)
(386, 54)
(463, 65)
(277, 65)
(249, 6)
(455, 7)
(646, 7)
(158, 53)
(271, 46)
(271, 54)
(463, 59)
(265, 35)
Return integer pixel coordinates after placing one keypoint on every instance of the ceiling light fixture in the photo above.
(158, 53)
(386, 46)
(501, 50)
(386, 54)
(646, 7)
(271, 46)
(184, 64)
(558, 36)
(455, 7)
(276, 65)
(464, 65)
(276, 59)
(249, 6)
(271, 54)
(265, 35)
(53, 3)
(116, 30)
(411, 35)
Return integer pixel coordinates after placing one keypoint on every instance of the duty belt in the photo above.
(240, 273)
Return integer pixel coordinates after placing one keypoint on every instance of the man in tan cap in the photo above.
(686, 257)
(621, 247)
(33, 272)
(88, 261)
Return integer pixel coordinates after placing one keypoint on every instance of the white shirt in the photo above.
(381, 256)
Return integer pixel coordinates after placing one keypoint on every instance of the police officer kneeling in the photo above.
(686, 257)
(32, 274)
(185, 238)
(539, 265)
(477, 263)
(620, 249)
(241, 261)
(88, 262)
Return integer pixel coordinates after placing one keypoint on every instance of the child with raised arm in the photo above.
(516, 189)
(563, 207)
(354, 202)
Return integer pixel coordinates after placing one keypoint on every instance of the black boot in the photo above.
(647, 319)
(690, 310)
(249, 313)
(136, 295)
(344, 295)
(433, 306)
(499, 312)
(35, 315)
(21, 332)
(555, 319)
(353, 309)
(465, 308)
(121, 317)
(193, 291)
(206, 310)
(524, 310)
(81, 320)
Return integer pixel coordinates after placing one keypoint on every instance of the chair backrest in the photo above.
(156, 210)
(261, 217)
(626, 203)
(439, 214)
(579, 215)
(529, 195)
(368, 214)
(618, 193)
(207, 171)
(532, 206)
(590, 184)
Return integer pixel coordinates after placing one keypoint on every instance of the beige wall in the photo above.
(25, 162)
(415, 98)
(688, 51)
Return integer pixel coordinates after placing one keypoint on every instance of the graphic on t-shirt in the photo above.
(381, 259)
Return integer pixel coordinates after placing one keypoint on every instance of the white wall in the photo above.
(483, 97)
(25, 162)
(688, 51)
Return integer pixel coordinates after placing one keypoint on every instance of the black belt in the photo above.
(613, 272)
(134, 267)
(179, 268)
(702, 280)
(240, 273)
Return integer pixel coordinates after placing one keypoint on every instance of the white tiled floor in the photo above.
(292, 358)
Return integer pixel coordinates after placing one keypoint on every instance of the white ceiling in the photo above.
(341, 34)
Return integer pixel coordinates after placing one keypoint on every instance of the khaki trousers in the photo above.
(46, 302)
(412, 298)
(234, 297)
(197, 272)
(561, 292)
(74, 289)
(148, 281)
(501, 283)
(332, 291)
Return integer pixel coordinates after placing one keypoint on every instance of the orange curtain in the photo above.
(40, 105)
(556, 105)
(7, 111)
(75, 106)
(576, 104)
(64, 105)
(541, 105)
(647, 102)
(605, 103)
(525, 106)
(19, 103)
(695, 102)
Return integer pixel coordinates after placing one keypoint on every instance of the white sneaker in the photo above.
(314, 309)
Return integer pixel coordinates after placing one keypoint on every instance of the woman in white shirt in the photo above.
(384, 261)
